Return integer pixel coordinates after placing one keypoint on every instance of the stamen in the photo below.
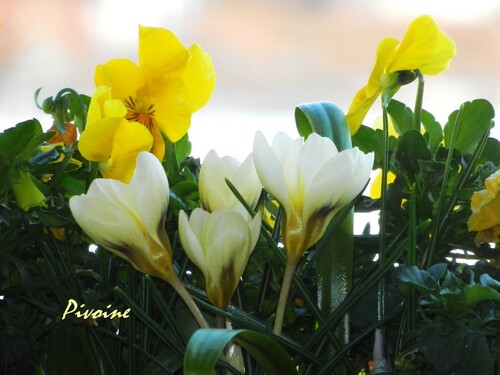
(137, 113)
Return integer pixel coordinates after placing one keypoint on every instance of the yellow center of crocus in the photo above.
(140, 112)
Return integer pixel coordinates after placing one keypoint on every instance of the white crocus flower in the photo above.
(129, 219)
(219, 244)
(214, 191)
(311, 180)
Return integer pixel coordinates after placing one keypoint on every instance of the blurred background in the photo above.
(269, 55)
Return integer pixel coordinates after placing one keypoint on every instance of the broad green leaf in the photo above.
(401, 116)
(368, 140)
(478, 293)
(421, 280)
(430, 173)
(182, 148)
(325, 119)
(412, 148)
(487, 280)
(14, 141)
(477, 117)
(434, 131)
(437, 270)
(459, 353)
(491, 152)
(206, 346)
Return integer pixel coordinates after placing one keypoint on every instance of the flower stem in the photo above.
(179, 287)
(417, 113)
(285, 290)
(383, 213)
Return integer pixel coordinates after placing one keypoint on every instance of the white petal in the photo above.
(152, 193)
(214, 192)
(338, 181)
(227, 243)
(247, 182)
(118, 194)
(190, 241)
(269, 170)
(107, 224)
(317, 151)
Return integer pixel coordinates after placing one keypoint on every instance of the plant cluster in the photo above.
(122, 253)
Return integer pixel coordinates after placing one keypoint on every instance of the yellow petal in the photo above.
(158, 148)
(491, 235)
(487, 217)
(366, 96)
(360, 106)
(379, 79)
(122, 75)
(172, 111)
(160, 52)
(423, 47)
(130, 139)
(96, 141)
(198, 77)
(376, 188)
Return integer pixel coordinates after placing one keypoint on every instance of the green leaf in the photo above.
(487, 280)
(325, 119)
(206, 346)
(477, 117)
(438, 270)
(13, 141)
(430, 173)
(368, 140)
(478, 293)
(421, 280)
(401, 116)
(434, 131)
(182, 148)
(412, 148)
(491, 152)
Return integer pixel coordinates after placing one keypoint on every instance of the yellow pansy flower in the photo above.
(110, 139)
(168, 84)
(424, 47)
(485, 206)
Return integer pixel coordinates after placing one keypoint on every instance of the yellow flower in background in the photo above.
(219, 243)
(168, 84)
(27, 193)
(485, 206)
(129, 219)
(424, 47)
(110, 139)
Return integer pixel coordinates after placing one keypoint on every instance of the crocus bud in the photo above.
(219, 244)
(214, 191)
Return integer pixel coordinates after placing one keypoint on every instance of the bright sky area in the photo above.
(269, 56)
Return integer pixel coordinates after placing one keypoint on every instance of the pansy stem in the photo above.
(417, 112)
(285, 290)
(179, 287)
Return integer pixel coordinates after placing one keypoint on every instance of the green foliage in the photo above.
(45, 261)
(207, 345)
